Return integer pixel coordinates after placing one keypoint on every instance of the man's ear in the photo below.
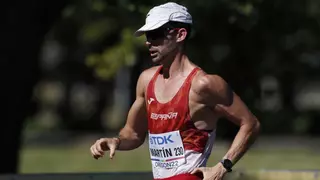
(182, 34)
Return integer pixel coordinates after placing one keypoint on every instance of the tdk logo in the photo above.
(161, 140)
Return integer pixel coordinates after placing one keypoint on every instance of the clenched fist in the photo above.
(104, 144)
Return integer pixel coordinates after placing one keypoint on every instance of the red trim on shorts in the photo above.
(182, 177)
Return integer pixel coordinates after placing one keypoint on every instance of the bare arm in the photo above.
(134, 132)
(229, 105)
(239, 114)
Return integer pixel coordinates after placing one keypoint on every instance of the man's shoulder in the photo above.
(149, 72)
(147, 75)
(204, 82)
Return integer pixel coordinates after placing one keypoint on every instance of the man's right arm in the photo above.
(134, 132)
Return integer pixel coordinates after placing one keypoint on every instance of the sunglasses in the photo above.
(159, 33)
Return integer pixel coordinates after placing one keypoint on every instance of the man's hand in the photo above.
(211, 173)
(104, 144)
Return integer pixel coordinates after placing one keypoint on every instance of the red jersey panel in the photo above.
(174, 115)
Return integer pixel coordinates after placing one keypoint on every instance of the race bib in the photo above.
(166, 150)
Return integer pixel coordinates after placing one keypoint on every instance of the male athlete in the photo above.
(178, 105)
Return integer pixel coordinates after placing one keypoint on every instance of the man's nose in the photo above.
(148, 43)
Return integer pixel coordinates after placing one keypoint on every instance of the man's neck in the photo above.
(176, 66)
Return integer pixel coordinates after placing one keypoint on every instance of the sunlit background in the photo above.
(71, 68)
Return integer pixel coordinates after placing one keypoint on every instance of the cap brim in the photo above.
(149, 27)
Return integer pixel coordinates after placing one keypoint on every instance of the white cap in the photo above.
(160, 15)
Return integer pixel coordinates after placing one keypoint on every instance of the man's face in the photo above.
(161, 43)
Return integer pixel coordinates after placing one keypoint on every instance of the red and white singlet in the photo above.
(176, 146)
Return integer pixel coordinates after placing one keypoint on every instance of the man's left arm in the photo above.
(215, 93)
(230, 106)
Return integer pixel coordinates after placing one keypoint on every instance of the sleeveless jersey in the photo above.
(176, 146)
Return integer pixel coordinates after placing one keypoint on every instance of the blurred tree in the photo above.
(98, 42)
(24, 25)
(262, 48)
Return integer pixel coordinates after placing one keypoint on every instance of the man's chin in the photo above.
(155, 60)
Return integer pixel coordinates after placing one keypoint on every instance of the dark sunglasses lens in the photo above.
(155, 34)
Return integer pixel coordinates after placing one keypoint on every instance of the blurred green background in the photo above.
(66, 159)
(69, 71)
